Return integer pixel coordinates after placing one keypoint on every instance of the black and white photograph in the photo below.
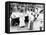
(25, 16)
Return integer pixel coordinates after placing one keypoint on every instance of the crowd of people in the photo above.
(33, 14)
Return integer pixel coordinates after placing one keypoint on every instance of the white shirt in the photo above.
(15, 14)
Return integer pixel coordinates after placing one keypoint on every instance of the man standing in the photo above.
(31, 18)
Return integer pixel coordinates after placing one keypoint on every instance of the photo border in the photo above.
(7, 21)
